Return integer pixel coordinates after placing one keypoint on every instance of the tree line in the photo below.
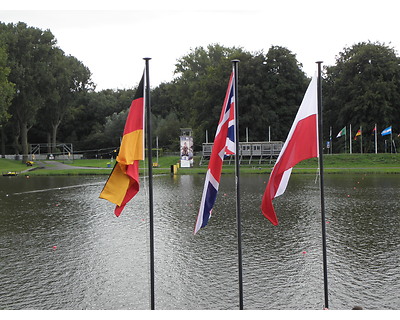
(48, 96)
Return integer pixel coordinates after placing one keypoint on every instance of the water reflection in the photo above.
(62, 248)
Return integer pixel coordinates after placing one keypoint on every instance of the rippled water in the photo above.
(61, 247)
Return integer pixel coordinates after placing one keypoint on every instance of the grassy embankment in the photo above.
(337, 163)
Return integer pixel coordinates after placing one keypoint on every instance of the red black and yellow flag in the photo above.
(357, 134)
(123, 183)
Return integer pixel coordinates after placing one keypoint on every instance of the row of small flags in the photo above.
(385, 132)
(302, 143)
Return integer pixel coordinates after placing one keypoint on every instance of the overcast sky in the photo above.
(112, 37)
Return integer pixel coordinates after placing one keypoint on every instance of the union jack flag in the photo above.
(224, 144)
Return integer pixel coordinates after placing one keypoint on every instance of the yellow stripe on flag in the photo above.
(131, 148)
(116, 186)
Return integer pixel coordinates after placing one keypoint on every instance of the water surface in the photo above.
(61, 247)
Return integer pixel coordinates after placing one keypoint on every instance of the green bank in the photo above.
(333, 164)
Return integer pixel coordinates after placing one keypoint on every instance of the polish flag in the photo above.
(301, 144)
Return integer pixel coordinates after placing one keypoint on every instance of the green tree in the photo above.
(93, 123)
(89, 116)
(111, 133)
(7, 91)
(284, 87)
(68, 79)
(271, 88)
(168, 131)
(202, 78)
(6, 87)
(29, 50)
(363, 88)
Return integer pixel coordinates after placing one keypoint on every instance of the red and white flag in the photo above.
(301, 144)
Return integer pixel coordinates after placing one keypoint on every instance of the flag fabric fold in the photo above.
(224, 144)
(123, 183)
(301, 144)
(387, 131)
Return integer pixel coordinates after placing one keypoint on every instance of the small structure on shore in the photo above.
(186, 148)
(249, 152)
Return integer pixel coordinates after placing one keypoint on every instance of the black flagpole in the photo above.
(321, 179)
(150, 166)
(238, 219)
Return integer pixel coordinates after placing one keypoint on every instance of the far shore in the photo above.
(333, 164)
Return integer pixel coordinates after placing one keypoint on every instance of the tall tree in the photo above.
(202, 77)
(29, 51)
(363, 87)
(6, 93)
(270, 90)
(6, 87)
(284, 86)
(67, 79)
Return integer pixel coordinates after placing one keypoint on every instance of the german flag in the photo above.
(123, 183)
(357, 134)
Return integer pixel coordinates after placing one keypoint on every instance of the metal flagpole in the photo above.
(150, 165)
(238, 219)
(376, 142)
(391, 141)
(321, 175)
(350, 139)
(157, 148)
(269, 133)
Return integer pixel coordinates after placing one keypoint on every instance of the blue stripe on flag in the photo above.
(211, 196)
(231, 133)
(387, 131)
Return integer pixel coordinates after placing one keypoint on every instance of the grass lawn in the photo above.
(336, 163)
(163, 162)
(12, 165)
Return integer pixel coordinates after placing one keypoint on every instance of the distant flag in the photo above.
(387, 131)
(224, 144)
(374, 129)
(123, 183)
(341, 133)
(301, 144)
(357, 134)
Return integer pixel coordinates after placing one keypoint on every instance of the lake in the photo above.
(61, 246)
